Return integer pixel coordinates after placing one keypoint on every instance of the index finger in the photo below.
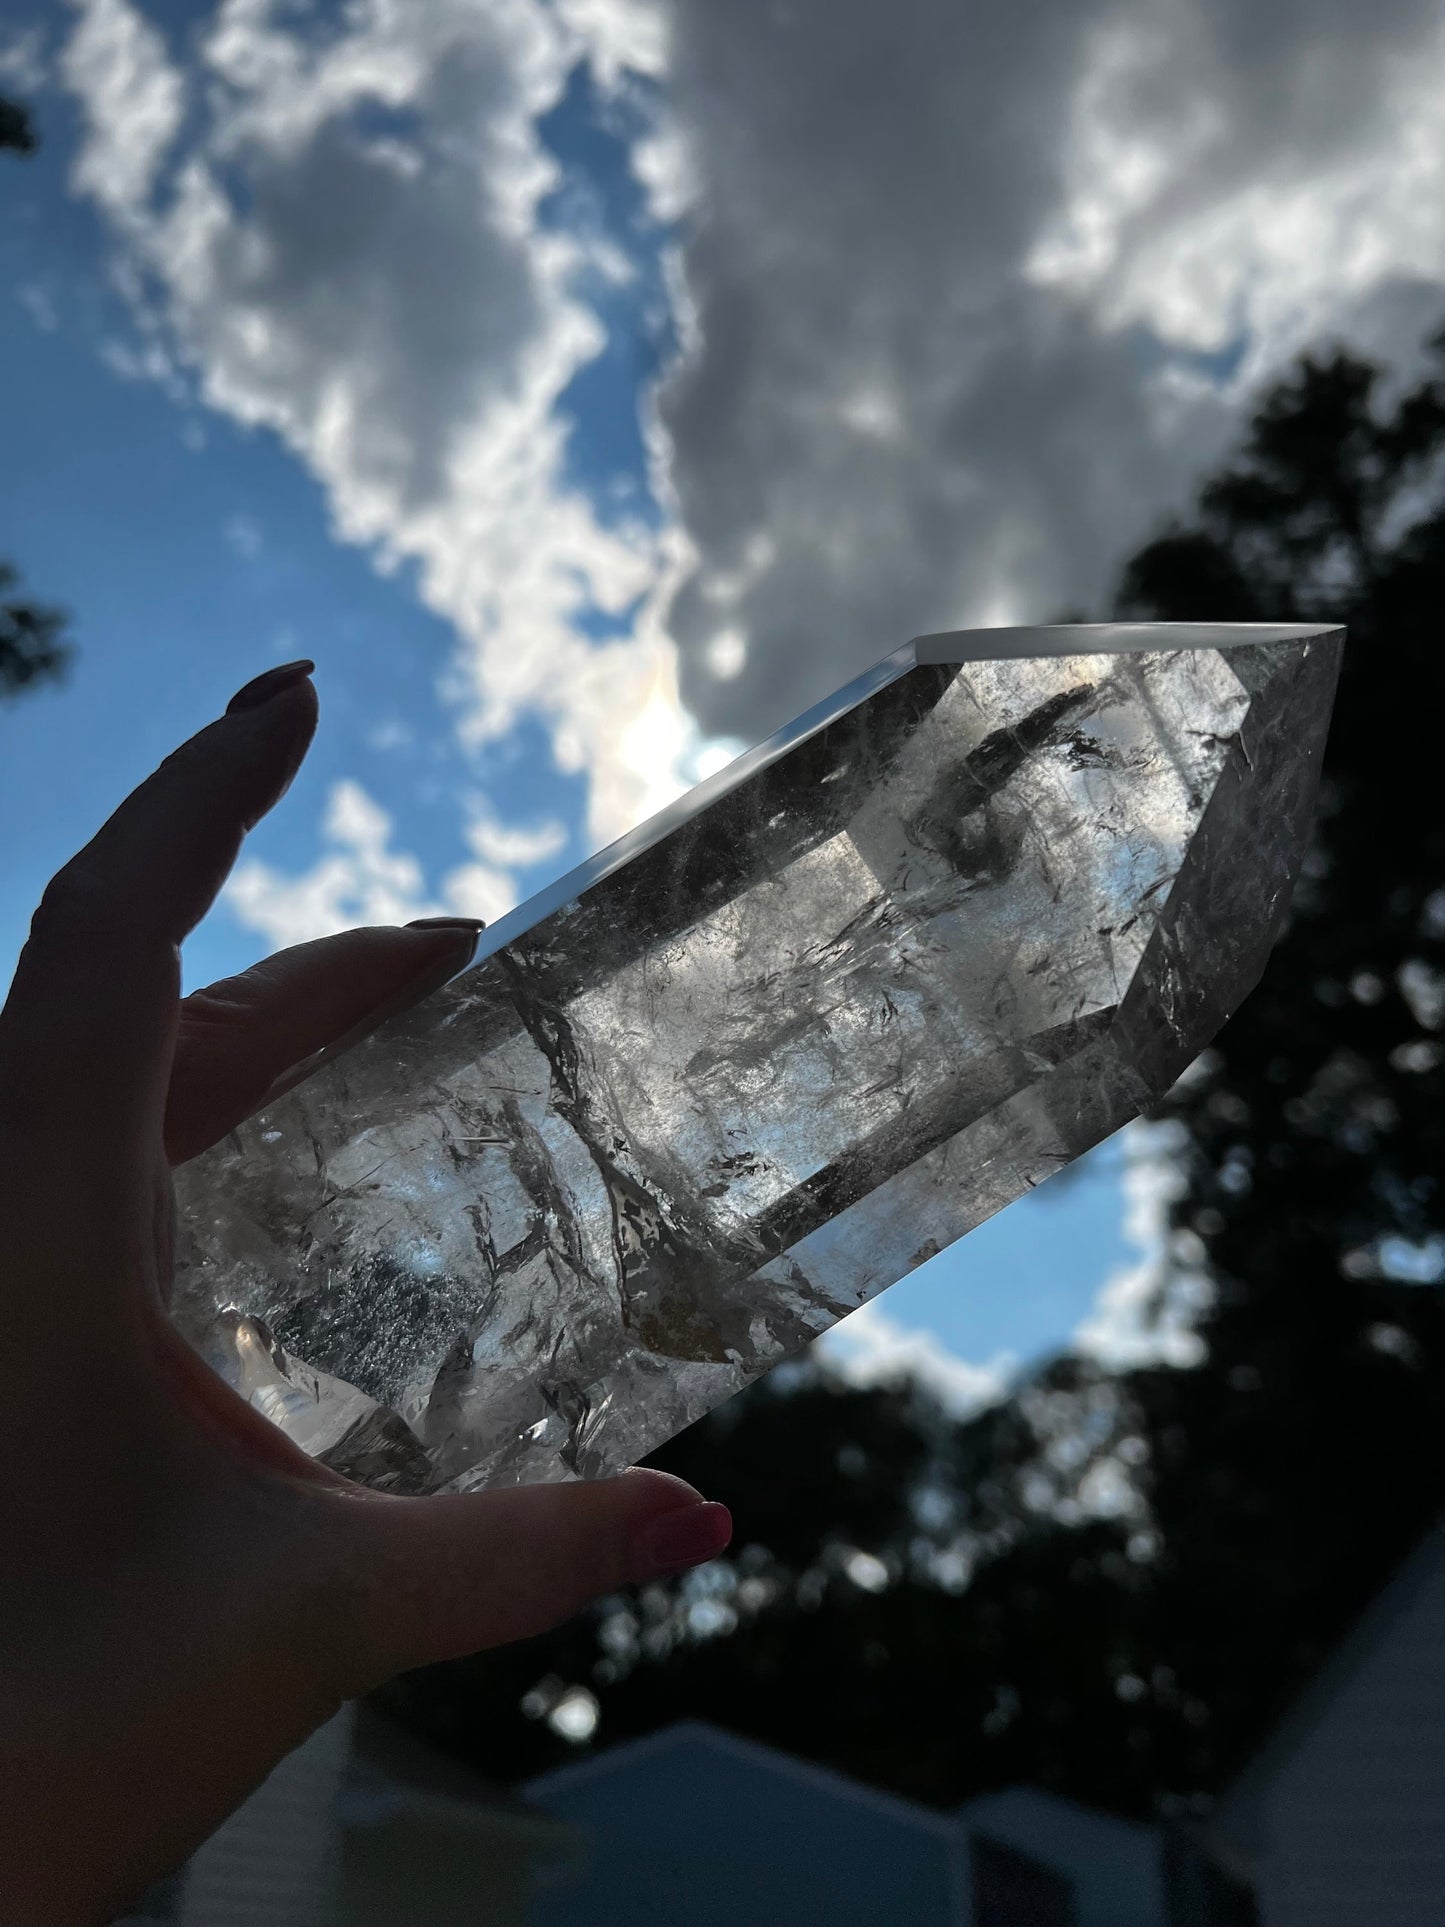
(91, 1015)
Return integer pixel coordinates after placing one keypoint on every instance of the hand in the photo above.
(184, 1596)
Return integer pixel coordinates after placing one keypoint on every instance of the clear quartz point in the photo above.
(709, 1093)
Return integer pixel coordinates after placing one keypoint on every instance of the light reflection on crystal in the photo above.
(844, 1003)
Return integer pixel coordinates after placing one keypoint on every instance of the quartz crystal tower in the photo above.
(712, 1091)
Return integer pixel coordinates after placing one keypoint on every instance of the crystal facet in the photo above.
(710, 1093)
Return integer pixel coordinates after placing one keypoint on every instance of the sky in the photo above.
(591, 385)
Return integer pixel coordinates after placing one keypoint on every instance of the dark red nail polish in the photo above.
(469, 927)
(262, 688)
(685, 1537)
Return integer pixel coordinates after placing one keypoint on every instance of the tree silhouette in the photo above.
(32, 648)
(32, 645)
(1113, 1584)
(1308, 1455)
(17, 128)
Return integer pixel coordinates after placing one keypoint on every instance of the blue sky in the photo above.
(588, 385)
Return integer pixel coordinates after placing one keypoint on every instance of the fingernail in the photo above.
(469, 927)
(262, 688)
(685, 1537)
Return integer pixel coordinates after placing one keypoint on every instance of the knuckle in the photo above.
(76, 899)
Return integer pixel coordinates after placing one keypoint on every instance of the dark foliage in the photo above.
(1299, 1466)
(1114, 1585)
(17, 128)
(32, 645)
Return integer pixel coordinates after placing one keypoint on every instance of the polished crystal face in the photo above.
(744, 1070)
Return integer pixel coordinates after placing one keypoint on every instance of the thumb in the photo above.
(457, 1573)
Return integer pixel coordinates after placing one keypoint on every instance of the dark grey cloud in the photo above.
(894, 419)
(973, 294)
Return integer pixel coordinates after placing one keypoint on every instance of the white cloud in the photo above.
(117, 63)
(1273, 232)
(479, 890)
(360, 880)
(622, 37)
(727, 654)
(1146, 1311)
(363, 878)
(515, 846)
(243, 535)
(870, 1348)
(39, 303)
(390, 733)
(348, 250)
(147, 359)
